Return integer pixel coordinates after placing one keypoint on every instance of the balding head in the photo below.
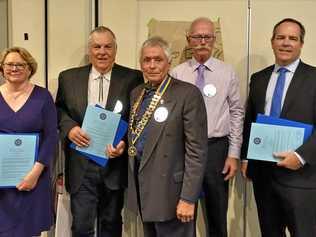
(201, 38)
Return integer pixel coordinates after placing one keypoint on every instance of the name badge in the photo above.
(161, 114)
(209, 90)
(118, 107)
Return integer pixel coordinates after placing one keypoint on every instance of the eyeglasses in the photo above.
(18, 66)
(207, 38)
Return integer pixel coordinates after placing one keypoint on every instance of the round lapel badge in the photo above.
(118, 107)
(161, 114)
(209, 90)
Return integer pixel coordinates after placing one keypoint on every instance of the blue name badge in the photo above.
(18, 153)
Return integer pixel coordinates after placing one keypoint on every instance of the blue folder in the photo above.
(120, 132)
(308, 128)
(23, 147)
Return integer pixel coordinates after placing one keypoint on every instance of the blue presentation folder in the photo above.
(26, 141)
(120, 132)
(308, 128)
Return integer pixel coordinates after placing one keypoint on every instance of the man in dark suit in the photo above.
(96, 192)
(167, 147)
(285, 191)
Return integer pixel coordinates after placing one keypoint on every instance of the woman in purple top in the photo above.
(26, 210)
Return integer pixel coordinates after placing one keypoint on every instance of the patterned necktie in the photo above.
(200, 81)
(278, 93)
(101, 88)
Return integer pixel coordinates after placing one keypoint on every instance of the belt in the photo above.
(216, 139)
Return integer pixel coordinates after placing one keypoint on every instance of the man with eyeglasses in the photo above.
(95, 192)
(220, 88)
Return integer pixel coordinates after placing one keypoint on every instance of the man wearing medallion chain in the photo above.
(96, 192)
(167, 147)
(220, 88)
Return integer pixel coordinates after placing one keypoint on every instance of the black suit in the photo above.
(71, 101)
(285, 197)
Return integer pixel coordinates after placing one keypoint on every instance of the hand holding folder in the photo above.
(104, 127)
(269, 135)
(17, 156)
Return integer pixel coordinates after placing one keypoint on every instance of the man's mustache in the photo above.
(198, 47)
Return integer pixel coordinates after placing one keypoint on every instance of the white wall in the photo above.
(69, 24)
(121, 17)
(28, 17)
(265, 14)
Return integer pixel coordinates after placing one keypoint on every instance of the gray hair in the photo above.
(101, 29)
(197, 20)
(160, 42)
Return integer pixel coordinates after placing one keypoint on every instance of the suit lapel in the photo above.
(155, 128)
(81, 92)
(115, 88)
(295, 84)
(261, 92)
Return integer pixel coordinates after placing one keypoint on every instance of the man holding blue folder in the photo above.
(95, 192)
(285, 191)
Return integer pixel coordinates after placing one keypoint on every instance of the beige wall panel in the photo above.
(121, 17)
(265, 14)
(68, 29)
(28, 17)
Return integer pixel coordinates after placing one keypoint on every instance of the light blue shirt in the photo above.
(269, 94)
(273, 79)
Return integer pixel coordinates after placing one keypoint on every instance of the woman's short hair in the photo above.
(25, 55)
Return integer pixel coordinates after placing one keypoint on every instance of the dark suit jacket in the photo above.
(174, 155)
(71, 102)
(299, 105)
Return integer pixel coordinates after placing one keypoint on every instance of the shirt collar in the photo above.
(95, 74)
(291, 67)
(209, 64)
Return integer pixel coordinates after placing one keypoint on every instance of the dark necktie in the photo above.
(276, 104)
(200, 81)
(101, 78)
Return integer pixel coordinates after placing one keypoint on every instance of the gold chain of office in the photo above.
(139, 127)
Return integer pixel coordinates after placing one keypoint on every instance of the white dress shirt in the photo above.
(93, 87)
